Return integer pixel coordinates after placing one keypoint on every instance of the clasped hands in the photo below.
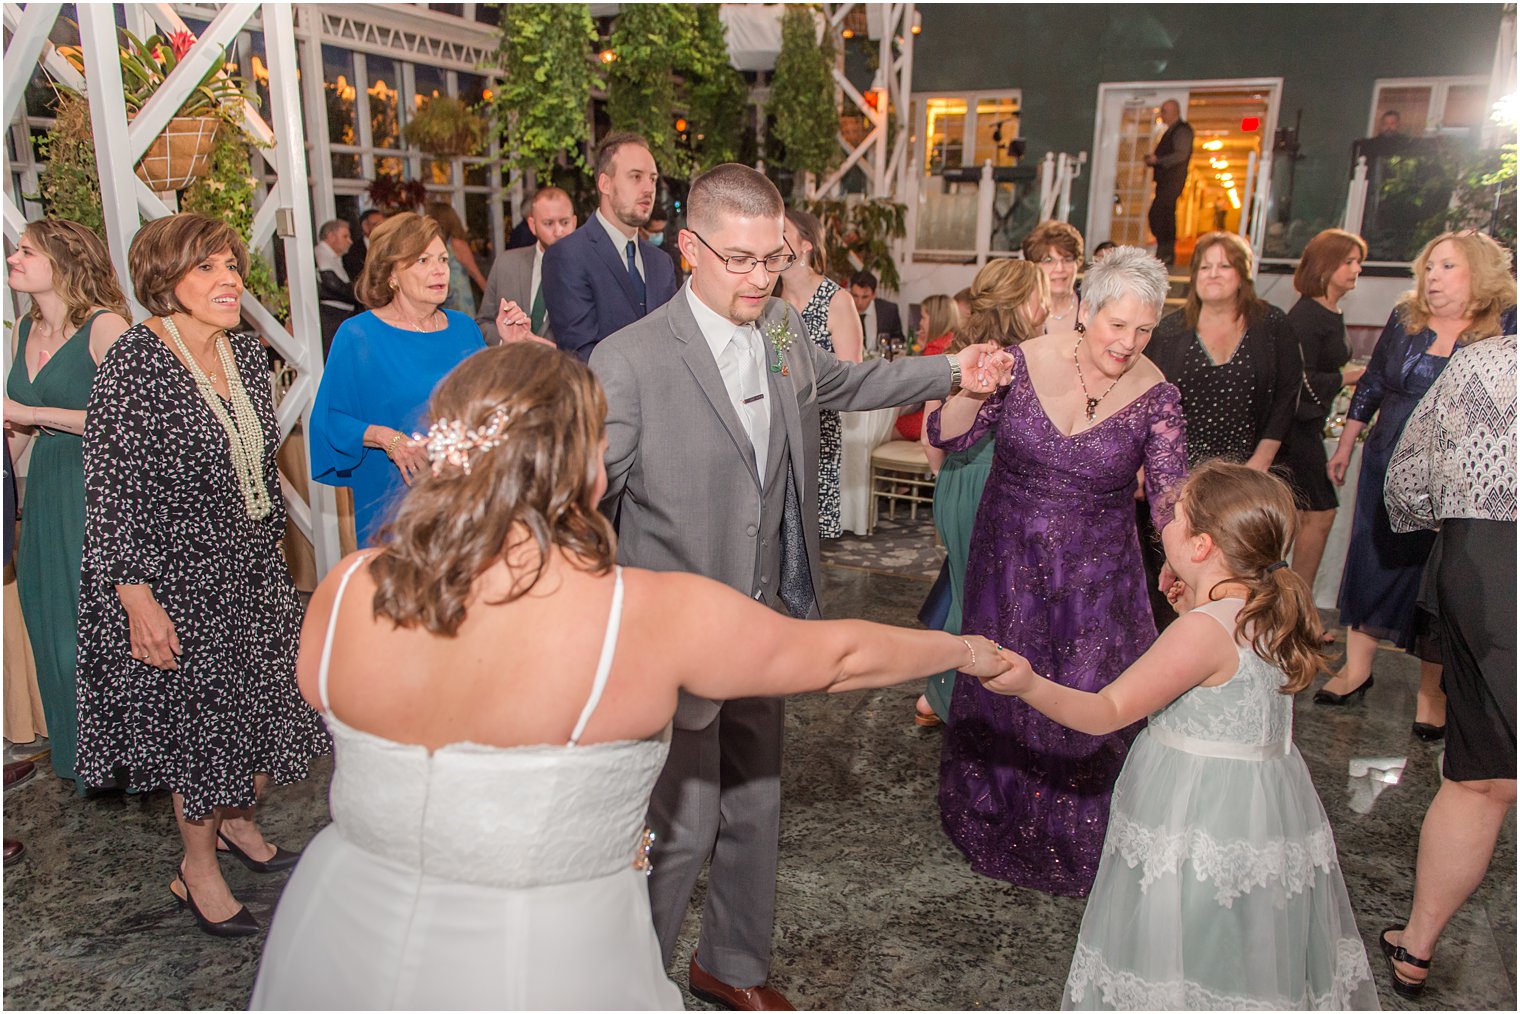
(1001, 670)
(984, 367)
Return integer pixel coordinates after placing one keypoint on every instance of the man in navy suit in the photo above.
(603, 277)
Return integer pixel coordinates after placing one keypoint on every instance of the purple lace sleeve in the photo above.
(986, 418)
(1165, 455)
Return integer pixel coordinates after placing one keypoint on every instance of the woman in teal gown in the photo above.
(77, 312)
(1009, 302)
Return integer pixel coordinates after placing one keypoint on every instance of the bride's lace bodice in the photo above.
(1248, 711)
(511, 817)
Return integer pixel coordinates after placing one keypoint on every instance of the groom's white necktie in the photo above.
(744, 376)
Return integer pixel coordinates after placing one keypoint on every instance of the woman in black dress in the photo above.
(1235, 359)
(1327, 271)
(188, 620)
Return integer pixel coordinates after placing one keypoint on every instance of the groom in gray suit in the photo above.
(712, 467)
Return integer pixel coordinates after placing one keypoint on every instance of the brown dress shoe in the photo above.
(721, 993)
(17, 772)
(13, 850)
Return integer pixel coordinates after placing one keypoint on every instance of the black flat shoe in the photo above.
(240, 924)
(281, 860)
(1429, 733)
(1329, 697)
(1409, 989)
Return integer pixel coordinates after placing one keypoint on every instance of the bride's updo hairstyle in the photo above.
(1250, 515)
(513, 445)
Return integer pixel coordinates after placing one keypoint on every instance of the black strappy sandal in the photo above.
(1409, 989)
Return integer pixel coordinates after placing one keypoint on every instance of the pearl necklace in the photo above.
(1061, 316)
(245, 436)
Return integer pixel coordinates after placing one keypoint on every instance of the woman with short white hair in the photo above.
(1055, 573)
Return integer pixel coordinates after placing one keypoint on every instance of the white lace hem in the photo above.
(1234, 867)
(1124, 990)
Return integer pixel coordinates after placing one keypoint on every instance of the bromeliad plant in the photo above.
(147, 63)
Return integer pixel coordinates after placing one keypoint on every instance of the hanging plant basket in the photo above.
(181, 154)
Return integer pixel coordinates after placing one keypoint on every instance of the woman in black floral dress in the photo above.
(188, 620)
(834, 326)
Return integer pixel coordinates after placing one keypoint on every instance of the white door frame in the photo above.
(1100, 195)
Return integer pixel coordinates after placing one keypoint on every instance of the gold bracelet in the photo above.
(970, 649)
(390, 448)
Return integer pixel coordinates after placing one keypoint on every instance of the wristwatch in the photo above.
(955, 371)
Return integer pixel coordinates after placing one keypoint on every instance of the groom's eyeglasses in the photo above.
(743, 264)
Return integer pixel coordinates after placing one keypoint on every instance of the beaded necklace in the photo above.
(245, 436)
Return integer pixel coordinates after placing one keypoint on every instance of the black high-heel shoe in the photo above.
(281, 860)
(1429, 733)
(1323, 696)
(240, 924)
(1409, 989)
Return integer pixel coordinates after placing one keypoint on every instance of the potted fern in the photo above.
(446, 127)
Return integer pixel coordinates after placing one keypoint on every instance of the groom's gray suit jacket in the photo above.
(682, 486)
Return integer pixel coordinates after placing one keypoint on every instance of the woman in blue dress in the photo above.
(384, 365)
(1464, 290)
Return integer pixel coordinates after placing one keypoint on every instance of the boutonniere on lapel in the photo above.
(781, 337)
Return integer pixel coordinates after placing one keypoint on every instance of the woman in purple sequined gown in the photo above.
(1055, 574)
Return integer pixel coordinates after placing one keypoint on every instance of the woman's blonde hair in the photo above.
(940, 316)
(395, 243)
(1252, 519)
(1238, 253)
(82, 273)
(998, 295)
(1490, 277)
(533, 487)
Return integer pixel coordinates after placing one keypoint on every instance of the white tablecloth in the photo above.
(863, 433)
(1327, 583)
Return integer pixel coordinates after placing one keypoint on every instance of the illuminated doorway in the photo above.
(1233, 123)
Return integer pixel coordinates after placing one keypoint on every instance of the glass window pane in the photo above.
(430, 83)
(944, 134)
(1465, 105)
(1411, 102)
(439, 171)
(997, 123)
(947, 216)
(488, 14)
(384, 84)
(340, 94)
(477, 174)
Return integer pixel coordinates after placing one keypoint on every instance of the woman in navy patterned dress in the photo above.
(1464, 291)
(834, 326)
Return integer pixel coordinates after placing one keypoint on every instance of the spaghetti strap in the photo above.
(604, 664)
(332, 624)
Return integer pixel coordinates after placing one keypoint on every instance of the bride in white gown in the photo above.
(499, 696)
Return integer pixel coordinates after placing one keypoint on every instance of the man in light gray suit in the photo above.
(518, 275)
(712, 466)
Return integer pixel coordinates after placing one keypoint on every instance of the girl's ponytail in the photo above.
(1251, 517)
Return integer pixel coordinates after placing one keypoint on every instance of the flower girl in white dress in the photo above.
(499, 695)
(1219, 886)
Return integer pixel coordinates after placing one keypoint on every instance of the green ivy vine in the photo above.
(543, 55)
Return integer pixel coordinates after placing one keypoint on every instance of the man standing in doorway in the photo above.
(518, 274)
(1170, 162)
(335, 288)
(603, 277)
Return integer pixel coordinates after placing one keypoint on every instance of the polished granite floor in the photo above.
(876, 910)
